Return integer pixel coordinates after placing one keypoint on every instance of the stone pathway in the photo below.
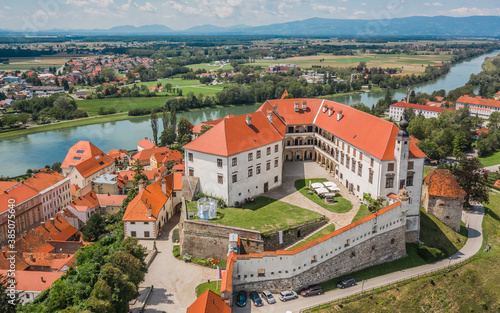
(309, 169)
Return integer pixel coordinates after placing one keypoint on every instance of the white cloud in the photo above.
(7, 8)
(126, 6)
(343, 0)
(364, 3)
(77, 3)
(434, 4)
(329, 8)
(474, 11)
(103, 3)
(359, 12)
(146, 7)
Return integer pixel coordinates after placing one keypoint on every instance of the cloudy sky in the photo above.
(182, 14)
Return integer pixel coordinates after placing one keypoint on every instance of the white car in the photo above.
(287, 295)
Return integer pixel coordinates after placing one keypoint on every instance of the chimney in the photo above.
(270, 116)
(41, 278)
(330, 111)
(304, 105)
(325, 108)
(149, 211)
(32, 259)
(339, 115)
(296, 106)
(43, 225)
(248, 119)
(156, 176)
(164, 187)
(141, 185)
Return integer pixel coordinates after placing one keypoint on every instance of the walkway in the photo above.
(309, 169)
(174, 280)
(473, 219)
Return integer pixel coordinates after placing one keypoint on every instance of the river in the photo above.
(36, 150)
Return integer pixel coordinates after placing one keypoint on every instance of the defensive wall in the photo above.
(374, 239)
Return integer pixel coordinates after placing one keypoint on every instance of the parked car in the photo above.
(266, 294)
(257, 301)
(312, 290)
(242, 298)
(287, 295)
(348, 282)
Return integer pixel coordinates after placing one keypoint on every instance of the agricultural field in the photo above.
(209, 67)
(411, 64)
(24, 64)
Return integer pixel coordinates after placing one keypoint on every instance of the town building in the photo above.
(110, 204)
(113, 184)
(153, 206)
(84, 206)
(244, 156)
(209, 302)
(396, 110)
(54, 190)
(159, 159)
(478, 105)
(121, 156)
(144, 155)
(198, 128)
(146, 144)
(91, 161)
(282, 68)
(27, 205)
(32, 283)
(443, 197)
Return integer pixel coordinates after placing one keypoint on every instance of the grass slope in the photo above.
(472, 287)
(490, 160)
(264, 215)
(341, 205)
(213, 285)
(363, 211)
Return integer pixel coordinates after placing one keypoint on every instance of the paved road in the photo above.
(473, 220)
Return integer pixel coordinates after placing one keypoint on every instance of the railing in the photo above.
(388, 286)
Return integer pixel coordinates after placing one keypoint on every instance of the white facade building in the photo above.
(478, 106)
(396, 110)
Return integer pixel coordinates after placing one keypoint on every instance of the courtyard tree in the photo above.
(94, 228)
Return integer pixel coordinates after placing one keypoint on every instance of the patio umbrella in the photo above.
(329, 184)
(317, 185)
(334, 188)
(321, 190)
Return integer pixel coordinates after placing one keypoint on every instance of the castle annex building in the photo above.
(243, 156)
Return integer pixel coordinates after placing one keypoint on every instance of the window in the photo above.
(250, 156)
(268, 165)
(389, 182)
(347, 161)
(133, 234)
(235, 161)
(390, 167)
(353, 165)
(191, 171)
(261, 272)
(275, 179)
(235, 178)
(258, 154)
(250, 172)
(257, 170)
(360, 168)
(190, 157)
(146, 234)
(370, 176)
(146, 223)
(268, 150)
(409, 180)
(276, 162)
(342, 158)
(276, 148)
(219, 162)
(371, 162)
(348, 149)
(410, 165)
(220, 179)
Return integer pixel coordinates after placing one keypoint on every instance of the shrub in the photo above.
(187, 258)
(176, 251)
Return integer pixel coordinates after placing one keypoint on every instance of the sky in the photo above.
(30, 15)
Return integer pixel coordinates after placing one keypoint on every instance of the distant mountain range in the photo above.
(472, 26)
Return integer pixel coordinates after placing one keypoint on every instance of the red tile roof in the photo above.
(209, 302)
(19, 193)
(79, 152)
(152, 195)
(83, 203)
(177, 181)
(441, 183)
(118, 154)
(146, 144)
(150, 174)
(479, 101)
(197, 128)
(233, 135)
(34, 281)
(286, 109)
(105, 200)
(145, 155)
(403, 104)
(43, 180)
(94, 164)
(483, 130)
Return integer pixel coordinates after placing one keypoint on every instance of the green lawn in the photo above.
(363, 211)
(264, 215)
(490, 160)
(325, 231)
(428, 170)
(213, 285)
(341, 205)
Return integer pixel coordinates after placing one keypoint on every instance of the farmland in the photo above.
(27, 63)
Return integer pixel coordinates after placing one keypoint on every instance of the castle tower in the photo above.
(404, 180)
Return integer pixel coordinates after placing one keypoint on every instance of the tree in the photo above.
(8, 299)
(409, 114)
(494, 120)
(472, 178)
(123, 290)
(154, 127)
(138, 169)
(168, 136)
(56, 167)
(173, 117)
(185, 127)
(94, 228)
(165, 119)
(109, 73)
(130, 265)
(205, 127)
